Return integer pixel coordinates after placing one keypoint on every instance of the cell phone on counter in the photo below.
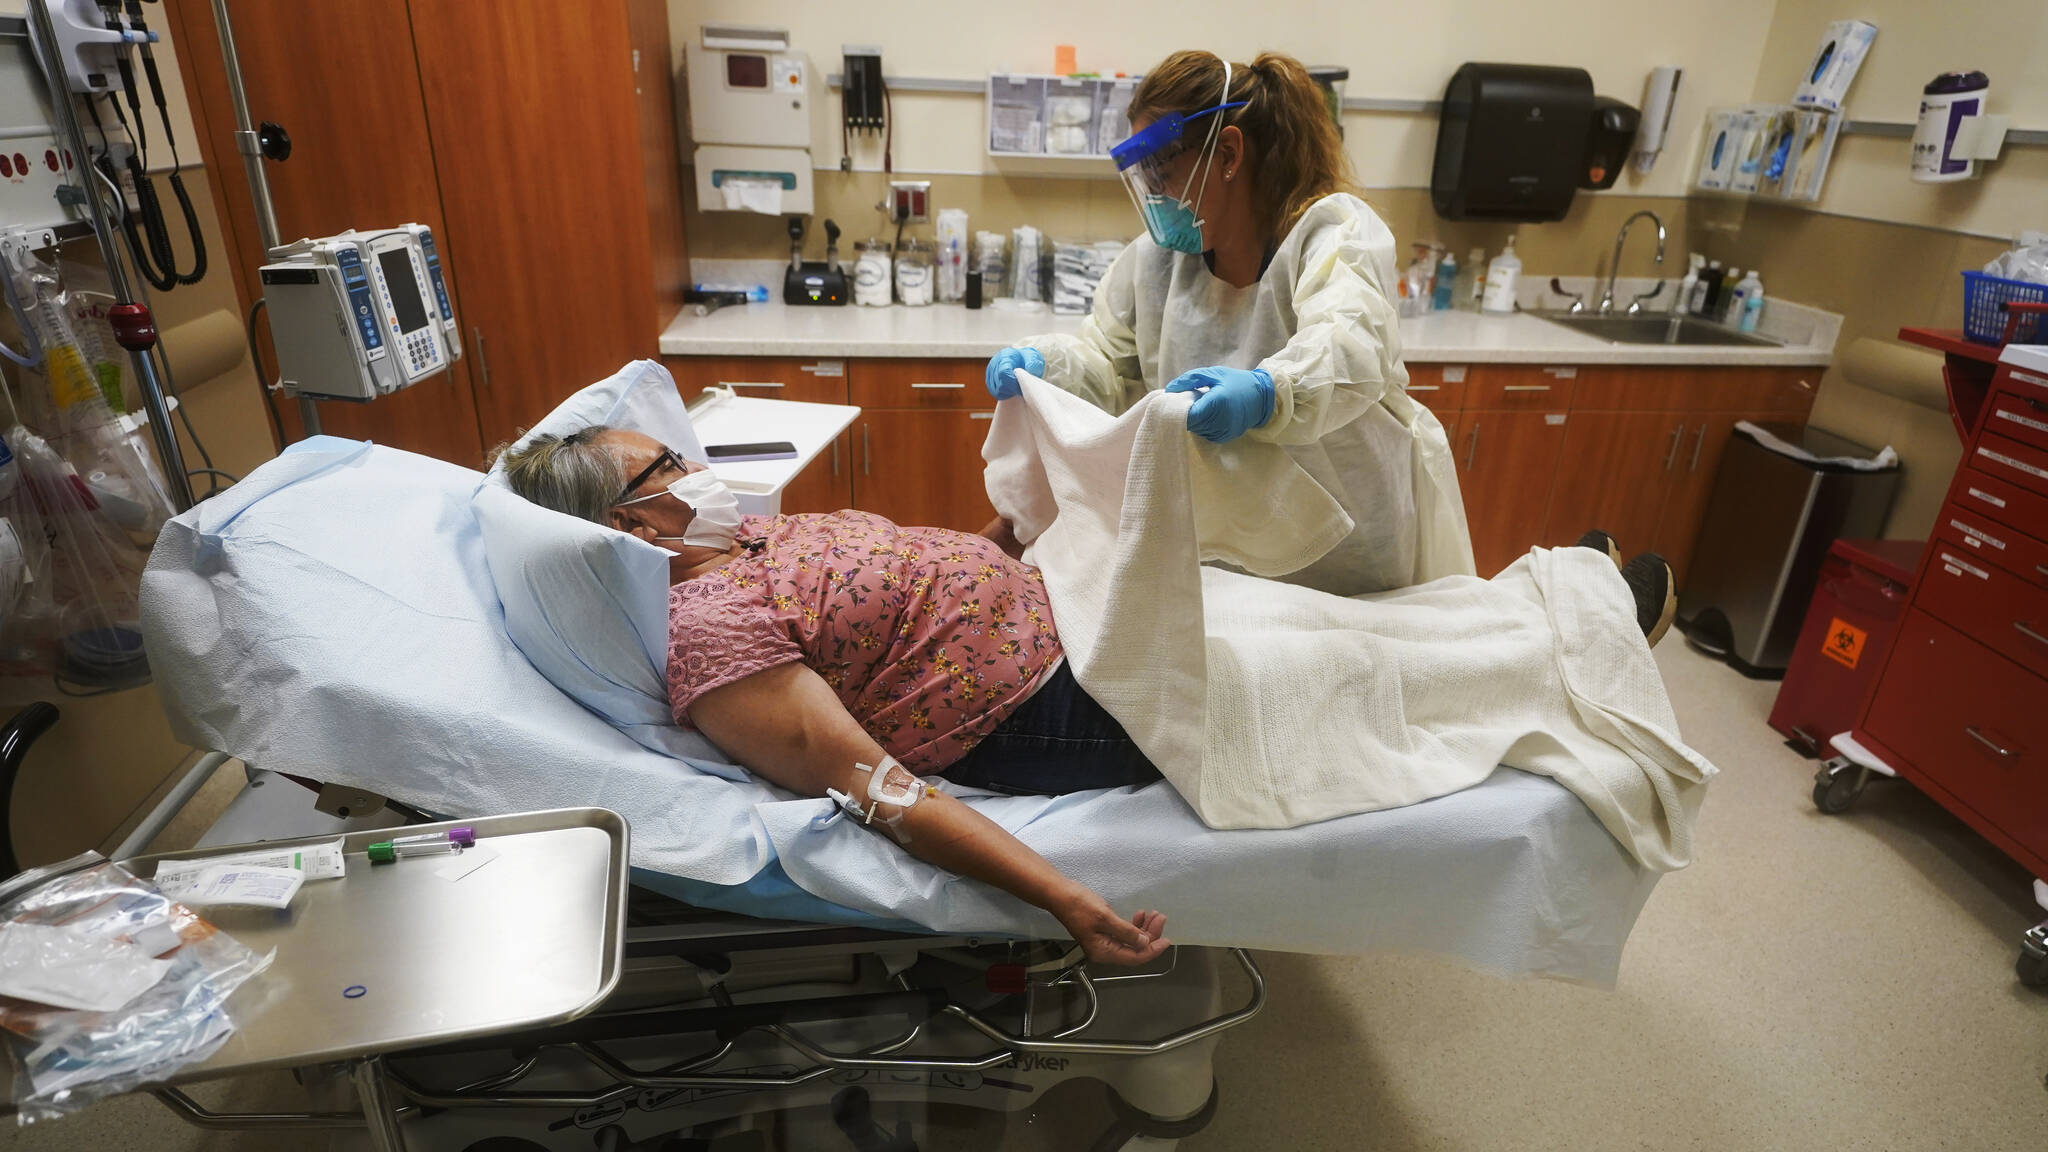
(738, 453)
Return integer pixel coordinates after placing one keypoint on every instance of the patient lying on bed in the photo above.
(840, 653)
(812, 645)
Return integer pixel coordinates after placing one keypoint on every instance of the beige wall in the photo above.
(1916, 41)
(1394, 50)
(1882, 250)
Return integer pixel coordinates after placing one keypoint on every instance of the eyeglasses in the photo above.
(667, 457)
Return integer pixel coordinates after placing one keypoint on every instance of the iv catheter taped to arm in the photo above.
(892, 786)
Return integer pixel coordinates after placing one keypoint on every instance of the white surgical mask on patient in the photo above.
(718, 510)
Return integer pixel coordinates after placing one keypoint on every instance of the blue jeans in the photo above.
(1059, 741)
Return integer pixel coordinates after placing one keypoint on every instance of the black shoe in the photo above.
(1600, 541)
(1656, 592)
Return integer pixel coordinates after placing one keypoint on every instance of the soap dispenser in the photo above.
(1503, 277)
(1682, 303)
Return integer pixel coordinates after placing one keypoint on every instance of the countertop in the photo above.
(952, 331)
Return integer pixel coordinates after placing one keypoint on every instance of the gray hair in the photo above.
(574, 474)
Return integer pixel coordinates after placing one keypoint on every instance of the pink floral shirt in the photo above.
(930, 637)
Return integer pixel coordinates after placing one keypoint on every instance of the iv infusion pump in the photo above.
(357, 315)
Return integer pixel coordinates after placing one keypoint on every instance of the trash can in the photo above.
(1783, 494)
(1848, 629)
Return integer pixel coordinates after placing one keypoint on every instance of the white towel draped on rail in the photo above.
(1271, 706)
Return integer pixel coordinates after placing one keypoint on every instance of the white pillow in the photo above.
(641, 396)
(587, 605)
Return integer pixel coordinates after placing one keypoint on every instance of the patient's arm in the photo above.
(786, 724)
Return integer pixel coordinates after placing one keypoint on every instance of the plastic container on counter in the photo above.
(916, 272)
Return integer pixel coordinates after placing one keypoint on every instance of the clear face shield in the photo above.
(1144, 161)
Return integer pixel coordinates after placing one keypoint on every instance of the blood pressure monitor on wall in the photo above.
(359, 314)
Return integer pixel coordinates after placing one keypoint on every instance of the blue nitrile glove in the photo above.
(1002, 370)
(1233, 401)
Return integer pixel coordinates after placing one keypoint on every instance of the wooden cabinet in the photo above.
(537, 129)
(923, 467)
(1619, 469)
(918, 441)
(921, 384)
(1521, 387)
(1545, 452)
(812, 381)
(913, 455)
(539, 146)
(1440, 388)
(362, 156)
(1506, 463)
(827, 485)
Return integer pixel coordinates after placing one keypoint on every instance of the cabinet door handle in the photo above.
(1472, 447)
(1988, 742)
(1698, 442)
(941, 387)
(867, 453)
(1526, 388)
(1671, 457)
(835, 457)
(2042, 569)
(2024, 629)
(750, 384)
(981, 415)
(476, 336)
(1425, 388)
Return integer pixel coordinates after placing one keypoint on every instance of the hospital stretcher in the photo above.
(334, 618)
(720, 1021)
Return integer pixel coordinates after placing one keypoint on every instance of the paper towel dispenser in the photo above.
(1511, 142)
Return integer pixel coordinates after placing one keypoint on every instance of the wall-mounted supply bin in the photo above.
(1769, 151)
(1076, 117)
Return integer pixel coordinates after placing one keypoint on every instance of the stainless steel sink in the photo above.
(1658, 328)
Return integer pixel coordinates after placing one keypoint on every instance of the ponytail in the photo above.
(1297, 156)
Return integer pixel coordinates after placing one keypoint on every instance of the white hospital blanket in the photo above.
(1272, 706)
(332, 616)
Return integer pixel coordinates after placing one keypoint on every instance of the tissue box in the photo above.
(1826, 83)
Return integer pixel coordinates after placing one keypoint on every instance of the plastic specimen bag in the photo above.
(178, 972)
(81, 495)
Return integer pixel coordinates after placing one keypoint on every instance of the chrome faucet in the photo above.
(1614, 266)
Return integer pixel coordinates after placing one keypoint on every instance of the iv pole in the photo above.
(250, 146)
(133, 327)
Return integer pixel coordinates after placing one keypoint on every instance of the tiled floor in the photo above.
(1812, 982)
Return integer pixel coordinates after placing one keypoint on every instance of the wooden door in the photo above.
(922, 469)
(1616, 470)
(536, 139)
(827, 485)
(347, 90)
(1507, 462)
(1704, 439)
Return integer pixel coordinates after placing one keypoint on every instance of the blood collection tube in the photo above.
(387, 851)
(464, 835)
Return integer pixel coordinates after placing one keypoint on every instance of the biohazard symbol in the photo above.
(1844, 643)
